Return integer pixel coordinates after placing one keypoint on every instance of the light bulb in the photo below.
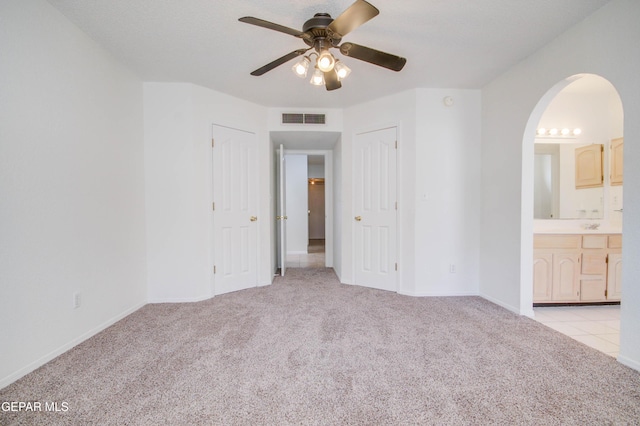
(317, 79)
(577, 131)
(325, 61)
(342, 70)
(553, 132)
(565, 132)
(542, 131)
(301, 67)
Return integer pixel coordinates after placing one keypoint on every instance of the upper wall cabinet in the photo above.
(589, 166)
(616, 161)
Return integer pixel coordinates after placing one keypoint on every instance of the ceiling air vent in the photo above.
(303, 118)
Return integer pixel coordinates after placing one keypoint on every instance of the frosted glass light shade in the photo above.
(301, 67)
(342, 70)
(317, 79)
(325, 61)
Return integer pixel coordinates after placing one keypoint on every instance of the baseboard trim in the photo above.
(437, 294)
(6, 381)
(181, 299)
(629, 362)
(514, 309)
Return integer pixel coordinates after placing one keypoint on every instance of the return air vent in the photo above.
(288, 118)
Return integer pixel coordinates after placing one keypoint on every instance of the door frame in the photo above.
(328, 197)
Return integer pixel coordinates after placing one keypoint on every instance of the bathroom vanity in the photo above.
(580, 267)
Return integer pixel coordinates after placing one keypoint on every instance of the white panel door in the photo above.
(374, 175)
(235, 209)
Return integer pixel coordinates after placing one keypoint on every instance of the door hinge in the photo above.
(396, 144)
(213, 206)
(396, 266)
(396, 205)
(605, 293)
(214, 269)
(606, 259)
(212, 142)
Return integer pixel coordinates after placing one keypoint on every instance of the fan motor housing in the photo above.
(316, 27)
(319, 20)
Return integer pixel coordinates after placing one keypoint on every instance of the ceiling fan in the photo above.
(322, 33)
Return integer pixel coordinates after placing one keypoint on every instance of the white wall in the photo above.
(178, 123)
(297, 200)
(71, 187)
(447, 225)
(438, 187)
(606, 44)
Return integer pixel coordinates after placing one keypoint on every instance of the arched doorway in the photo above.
(573, 263)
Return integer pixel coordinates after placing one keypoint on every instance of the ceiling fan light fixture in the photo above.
(342, 70)
(326, 61)
(301, 67)
(317, 79)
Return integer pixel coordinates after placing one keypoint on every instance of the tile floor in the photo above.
(314, 258)
(595, 326)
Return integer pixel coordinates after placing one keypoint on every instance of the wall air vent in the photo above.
(288, 118)
(314, 119)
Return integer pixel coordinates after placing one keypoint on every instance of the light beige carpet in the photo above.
(308, 350)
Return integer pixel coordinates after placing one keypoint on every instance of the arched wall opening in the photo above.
(596, 109)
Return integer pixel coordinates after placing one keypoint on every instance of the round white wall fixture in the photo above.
(447, 101)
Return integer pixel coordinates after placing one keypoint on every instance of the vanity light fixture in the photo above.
(558, 133)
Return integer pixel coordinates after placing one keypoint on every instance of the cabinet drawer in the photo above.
(594, 241)
(594, 264)
(615, 241)
(541, 241)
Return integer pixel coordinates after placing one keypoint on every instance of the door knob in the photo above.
(358, 218)
(253, 218)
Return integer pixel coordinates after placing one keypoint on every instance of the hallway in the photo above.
(314, 258)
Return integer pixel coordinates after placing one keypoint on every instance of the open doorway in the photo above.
(575, 223)
(305, 210)
(304, 199)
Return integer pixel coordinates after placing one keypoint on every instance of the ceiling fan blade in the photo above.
(376, 57)
(279, 61)
(270, 25)
(354, 16)
(331, 81)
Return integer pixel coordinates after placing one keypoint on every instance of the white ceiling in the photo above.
(447, 43)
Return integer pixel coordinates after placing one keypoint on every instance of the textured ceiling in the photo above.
(447, 43)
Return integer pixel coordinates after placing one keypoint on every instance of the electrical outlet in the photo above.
(452, 268)
(76, 300)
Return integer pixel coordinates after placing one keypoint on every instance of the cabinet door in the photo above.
(614, 276)
(593, 290)
(542, 277)
(589, 166)
(616, 161)
(566, 271)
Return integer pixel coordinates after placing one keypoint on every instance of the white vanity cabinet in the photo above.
(570, 268)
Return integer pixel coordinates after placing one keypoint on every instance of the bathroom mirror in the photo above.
(587, 111)
(555, 193)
